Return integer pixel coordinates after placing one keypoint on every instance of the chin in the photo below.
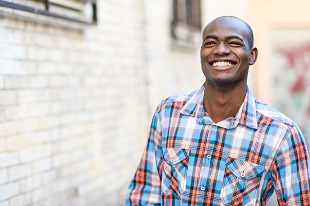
(226, 83)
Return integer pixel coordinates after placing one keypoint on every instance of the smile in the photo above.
(222, 63)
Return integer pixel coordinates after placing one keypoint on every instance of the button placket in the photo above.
(206, 160)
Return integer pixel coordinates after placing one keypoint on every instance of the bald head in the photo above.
(234, 22)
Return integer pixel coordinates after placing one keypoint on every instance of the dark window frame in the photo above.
(46, 11)
(186, 19)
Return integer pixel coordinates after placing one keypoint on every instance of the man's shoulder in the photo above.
(272, 113)
(180, 99)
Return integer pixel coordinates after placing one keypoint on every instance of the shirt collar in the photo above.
(246, 115)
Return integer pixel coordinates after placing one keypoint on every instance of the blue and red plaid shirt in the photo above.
(190, 160)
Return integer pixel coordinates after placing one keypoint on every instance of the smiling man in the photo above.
(219, 145)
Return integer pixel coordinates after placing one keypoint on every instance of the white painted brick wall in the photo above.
(3, 175)
(7, 97)
(9, 190)
(2, 145)
(20, 200)
(30, 183)
(4, 203)
(8, 159)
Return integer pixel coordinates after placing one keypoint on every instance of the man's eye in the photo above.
(210, 43)
(235, 43)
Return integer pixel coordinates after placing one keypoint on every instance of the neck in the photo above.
(223, 103)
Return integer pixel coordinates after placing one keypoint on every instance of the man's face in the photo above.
(225, 53)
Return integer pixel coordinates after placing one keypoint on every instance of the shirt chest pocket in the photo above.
(175, 170)
(241, 182)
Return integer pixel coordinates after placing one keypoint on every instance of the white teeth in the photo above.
(221, 64)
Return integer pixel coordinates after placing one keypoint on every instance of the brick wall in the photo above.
(72, 108)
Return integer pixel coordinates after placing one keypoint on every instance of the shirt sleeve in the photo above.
(291, 170)
(145, 188)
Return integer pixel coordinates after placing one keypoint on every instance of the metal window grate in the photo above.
(79, 11)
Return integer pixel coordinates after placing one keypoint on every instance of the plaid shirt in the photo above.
(190, 160)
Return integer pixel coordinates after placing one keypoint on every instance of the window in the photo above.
(186, 21)
(80, 11)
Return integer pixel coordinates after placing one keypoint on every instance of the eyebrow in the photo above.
(211, 36)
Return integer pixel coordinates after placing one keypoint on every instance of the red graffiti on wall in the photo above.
(298, 58)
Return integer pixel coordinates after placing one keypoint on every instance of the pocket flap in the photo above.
(176, 155)
(244, 169)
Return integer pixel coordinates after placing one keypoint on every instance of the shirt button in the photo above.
(202, 188)
(242, 175)
(209, 156)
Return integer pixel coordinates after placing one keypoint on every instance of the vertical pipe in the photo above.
(47, 5)
(95, 18)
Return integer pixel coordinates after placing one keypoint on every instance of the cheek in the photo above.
(201, 56)
(204, 53)
(204, 59)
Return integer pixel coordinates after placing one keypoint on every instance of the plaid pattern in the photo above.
(189, 160)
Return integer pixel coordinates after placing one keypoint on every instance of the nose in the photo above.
(221, 49)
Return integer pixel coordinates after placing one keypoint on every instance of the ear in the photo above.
(253, 57)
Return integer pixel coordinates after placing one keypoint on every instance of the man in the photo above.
(219, 145)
